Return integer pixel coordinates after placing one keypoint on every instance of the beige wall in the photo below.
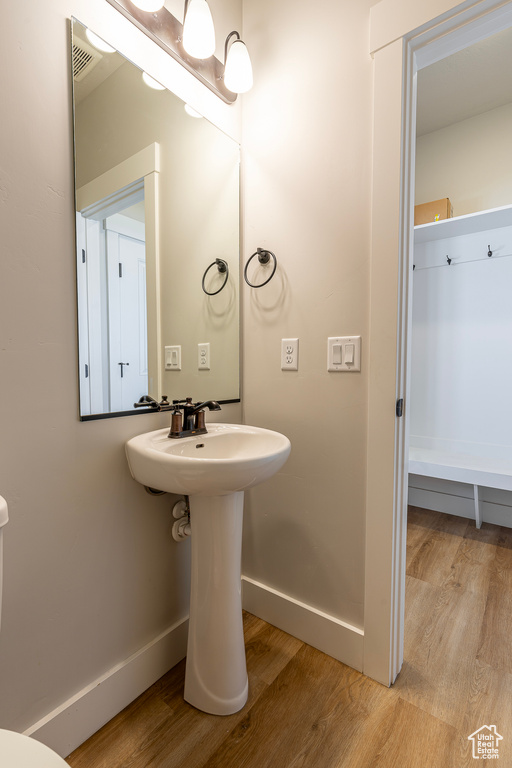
(469, 162)
(306, 162)
(91, 571)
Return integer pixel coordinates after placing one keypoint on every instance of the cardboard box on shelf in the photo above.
(434, 211)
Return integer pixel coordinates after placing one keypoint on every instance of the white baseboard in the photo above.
(70, 724)
(327, 633)
(497, 514)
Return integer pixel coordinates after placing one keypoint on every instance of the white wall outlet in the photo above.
(173, 358)
(344, 353)
(203, 356)
(289, 354)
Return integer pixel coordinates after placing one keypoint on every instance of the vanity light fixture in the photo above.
(237, 65)
(225, 80)
(98, 43)
(152, 82)
(198, 29)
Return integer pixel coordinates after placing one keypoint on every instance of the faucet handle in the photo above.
(176, 422)
(146, 401)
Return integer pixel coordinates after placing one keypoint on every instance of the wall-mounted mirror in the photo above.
(157, 203)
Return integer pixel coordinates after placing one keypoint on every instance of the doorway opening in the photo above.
(111, 279)
(400, 52)
(457, 304)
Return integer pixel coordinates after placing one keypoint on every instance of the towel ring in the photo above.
(223, 268)
(263, 258)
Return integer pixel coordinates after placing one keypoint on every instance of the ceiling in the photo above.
(465, 84)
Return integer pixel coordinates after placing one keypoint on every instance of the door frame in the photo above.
(142, 168)
(404, 37)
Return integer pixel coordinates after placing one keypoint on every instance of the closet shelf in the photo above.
(469, 224)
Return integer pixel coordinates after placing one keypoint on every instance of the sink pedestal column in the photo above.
(216, 673)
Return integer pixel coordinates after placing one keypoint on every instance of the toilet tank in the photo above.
(3, 519)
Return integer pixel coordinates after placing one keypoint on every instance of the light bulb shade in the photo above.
(238, 68)
(98, 42)
(198, 30)
(152, 83)
(191, 111)
(151, 6)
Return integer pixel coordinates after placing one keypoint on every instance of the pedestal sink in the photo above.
(214, 470)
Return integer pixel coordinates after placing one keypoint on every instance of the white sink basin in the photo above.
(229, 458)
(214, 470)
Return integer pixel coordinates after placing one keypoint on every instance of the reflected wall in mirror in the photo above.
(157, 202)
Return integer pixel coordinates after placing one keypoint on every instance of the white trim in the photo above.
(124, 225)
(124, 182)
(70, 724)
(338, 639)
(393, 180)
(113, 203)
(152, 230)
(459, 506)
(391, 20)
(384, 533)
(125, 174)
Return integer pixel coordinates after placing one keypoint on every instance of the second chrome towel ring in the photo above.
(263, 258)
(223, 269)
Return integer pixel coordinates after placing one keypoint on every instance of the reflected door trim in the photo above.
(109, 190)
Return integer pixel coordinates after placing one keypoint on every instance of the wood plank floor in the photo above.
(306, 710)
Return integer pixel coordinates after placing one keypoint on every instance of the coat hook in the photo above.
(448, 260)
(413, 267)
(489, 252)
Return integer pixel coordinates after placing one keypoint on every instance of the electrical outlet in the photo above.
(289, 354)
(203, 356)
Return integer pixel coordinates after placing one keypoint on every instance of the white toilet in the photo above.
(16, 750)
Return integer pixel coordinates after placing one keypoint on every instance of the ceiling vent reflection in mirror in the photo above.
(192, 43)
(85, 58)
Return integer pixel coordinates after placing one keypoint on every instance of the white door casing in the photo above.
(404, 36)
(102, 197)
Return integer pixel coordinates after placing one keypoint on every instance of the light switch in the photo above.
(173, 358)
(337, 357)
(344, 353)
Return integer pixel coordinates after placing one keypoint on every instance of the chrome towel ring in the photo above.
(223, 269)
(263, 258)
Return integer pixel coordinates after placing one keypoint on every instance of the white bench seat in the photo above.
(463, 468)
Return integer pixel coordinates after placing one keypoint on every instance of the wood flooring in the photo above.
(306, 710)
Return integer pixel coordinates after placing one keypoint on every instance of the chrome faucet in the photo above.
(192, 421)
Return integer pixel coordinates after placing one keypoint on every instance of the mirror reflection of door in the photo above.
(126, 272)
(111, 271)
